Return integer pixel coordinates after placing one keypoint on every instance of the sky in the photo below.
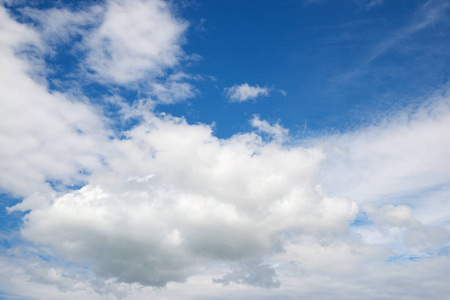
(293, 149)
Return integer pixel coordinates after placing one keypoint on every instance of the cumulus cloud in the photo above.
(399, 215)
(129, 43)
(136, 39)
(123, 42)
(184, 213)
(245, 92)
(275, 131)
(44, 136)
(415, 232)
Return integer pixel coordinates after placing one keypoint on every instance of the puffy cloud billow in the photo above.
(245, 92)
(172, 197)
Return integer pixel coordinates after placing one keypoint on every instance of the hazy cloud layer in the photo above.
(404, 151)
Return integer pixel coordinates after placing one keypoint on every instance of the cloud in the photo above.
(370, 4)
(167, 204)
(415, 232)
(401, 41)
(123, 42)
(403, 152)
(184, 214)
(136, 39)
(44, 136)
(397, 169)
(429, 14)
(252, 273)
(174, 89)
(399, 215)
(275, 131)
(129, 43)
(245, 92)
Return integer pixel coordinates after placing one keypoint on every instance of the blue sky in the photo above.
(217, 149)
(337, 61)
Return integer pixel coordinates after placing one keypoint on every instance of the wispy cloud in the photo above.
(400, 39)
(173, 89)
(372, 4)
(429, 14)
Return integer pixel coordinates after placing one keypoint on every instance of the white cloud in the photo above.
(174, 89)
(129, 43)
(170, 204)
(402, 154)
(414, 233)
(164, 228)
(245, 92)
(44, 136)
(276, 131)
(136, 39)
(399, 215)
(60, 25)
(124, 42)
(397, 168)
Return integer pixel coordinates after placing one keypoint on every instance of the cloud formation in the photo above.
(245, 92)
(136, 39)
(44, 136)
(166, 203)
(122, 42)
(186, 214)
(404, 151)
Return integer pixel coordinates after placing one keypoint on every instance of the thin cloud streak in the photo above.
(429, 14)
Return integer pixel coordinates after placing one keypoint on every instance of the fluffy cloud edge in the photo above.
(245, 92)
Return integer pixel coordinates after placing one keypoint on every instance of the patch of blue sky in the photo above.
(60, 186)
(321, 55)
(361, 220)
(409, 257)
(338, 62)
(10, 222)
(7, 296)
(402, 258)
